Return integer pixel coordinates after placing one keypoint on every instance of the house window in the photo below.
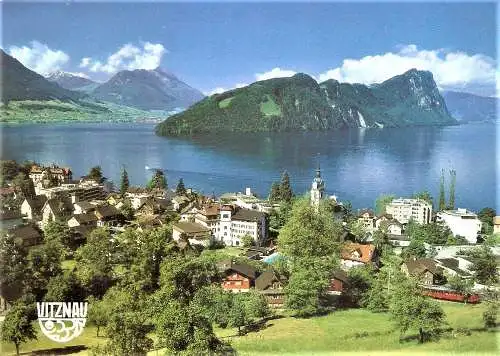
(237, 243)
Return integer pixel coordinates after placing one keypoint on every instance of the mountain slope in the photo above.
(70, 81)
(467, 107)
(20, 83)
(300, 103)
(147, 90)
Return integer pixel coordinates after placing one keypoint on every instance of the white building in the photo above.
(317, 189)
(461, 222)
(405, 209)
(229, 223)
(496, 225)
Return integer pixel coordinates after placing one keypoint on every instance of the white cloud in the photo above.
(39, 57)
(219, 90)
(451, 70)
(79, 74)
(274, 73)
(128, 57)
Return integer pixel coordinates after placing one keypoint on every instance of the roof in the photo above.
(25, 232)
(60, 207)
(85, 205)
(37, 202)
(419, 266)
(366, 252)
(398, 237)
(340, 275)
(266, 279)
(83, 230)
(137, 190)
(248, 215)
(366, 211)
(106, 211)
(85, 218)
(241, 268)
(210, 209)
(190, 227)
(452, 263)
(10, 215)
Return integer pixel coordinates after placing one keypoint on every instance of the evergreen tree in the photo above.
(286, 192)
(274, 194)
(442, 198)
(180, 189)
(124, 182)
(158, 181)
(451, 198)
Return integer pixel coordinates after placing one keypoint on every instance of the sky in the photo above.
(218, 46)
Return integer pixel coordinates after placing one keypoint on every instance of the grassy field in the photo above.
(225, 103)
(346, 332)
(269, 107)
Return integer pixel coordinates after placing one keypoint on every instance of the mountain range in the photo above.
(300, 103)
(140, 89)
(467, 107)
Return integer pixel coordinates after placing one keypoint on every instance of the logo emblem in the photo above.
(62, 321)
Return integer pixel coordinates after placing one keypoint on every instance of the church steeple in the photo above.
(317, 187)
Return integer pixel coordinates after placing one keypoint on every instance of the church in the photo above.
(317, 188)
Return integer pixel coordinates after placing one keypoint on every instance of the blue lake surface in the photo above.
(357, 165)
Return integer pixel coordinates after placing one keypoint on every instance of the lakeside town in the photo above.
(66, 233)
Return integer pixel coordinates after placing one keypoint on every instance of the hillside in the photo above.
(300, 103)
(147, 90)
(20, 83)
(467, 107)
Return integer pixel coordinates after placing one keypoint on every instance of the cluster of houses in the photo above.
(86, 204)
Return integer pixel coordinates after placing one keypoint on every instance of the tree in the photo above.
(57, 231)
(358, 284)
(256, 305)
(13, 268)
(279, 217)
(17, 327)
(416, 249)
(180, 189)
(285, 189)
(461, 285)
(247, 240)
(409, 309)
(95, 173)
(158, 181)
(308, 233)
(65, 287)
(238, 316)
(424, 195)
(484, 264)
(98, 313)
(442, 197)
(94, 262)
(453, 181)
(274, 193)
(381, 240)
(486, 216)
(382, 201)
(127, 210)
(124, 182)
(128, 334)
(44, 262)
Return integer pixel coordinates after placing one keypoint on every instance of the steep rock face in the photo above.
(20, 83)
(147, 90)
(71, 81)
(300, 103)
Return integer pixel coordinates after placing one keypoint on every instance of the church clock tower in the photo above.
(317, 188)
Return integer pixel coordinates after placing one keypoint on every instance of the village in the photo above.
(244, 229)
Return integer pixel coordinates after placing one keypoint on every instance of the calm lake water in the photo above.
(357, 165)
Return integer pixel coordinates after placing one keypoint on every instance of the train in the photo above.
(443, 293)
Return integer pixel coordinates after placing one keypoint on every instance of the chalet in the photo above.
(56, 209)
(355, 254)
(238, 277)
(425, 269)
(108, 215)
(399, 240)
(152, 206)
(26, 235)
(270, 284)
(31, 208)
(338, 282)
(195, 233)
(138, 196)
(60, 174)
(367, 218)
(10, 219)
(382, 219)
(180, 202)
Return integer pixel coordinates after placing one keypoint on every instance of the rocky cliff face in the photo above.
(300, 103)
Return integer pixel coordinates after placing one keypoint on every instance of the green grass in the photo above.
(360, 331)
(269, 107)
(353, 331)
(68, 265)
(225, 103)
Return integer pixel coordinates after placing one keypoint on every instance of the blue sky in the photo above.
(222, 45)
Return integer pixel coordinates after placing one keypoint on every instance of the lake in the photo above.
(357, 165)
